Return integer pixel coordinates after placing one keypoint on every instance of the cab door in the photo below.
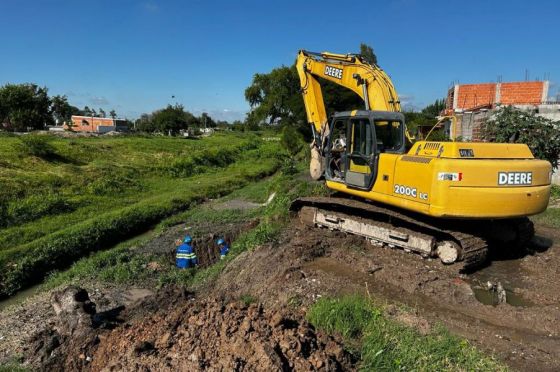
(361, 153)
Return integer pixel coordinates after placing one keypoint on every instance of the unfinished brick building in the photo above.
(95, 124)
(473, 103)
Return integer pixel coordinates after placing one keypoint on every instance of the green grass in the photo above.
(385, 345)
(550, 217)
(111, 200)
(122, 264)
(555, 192)
(14, 364)
(14, 367)
(39, 196)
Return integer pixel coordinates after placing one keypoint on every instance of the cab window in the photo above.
(389, 135)
(362, 140)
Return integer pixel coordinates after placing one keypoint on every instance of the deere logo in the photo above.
(515, 178)
(333, 71)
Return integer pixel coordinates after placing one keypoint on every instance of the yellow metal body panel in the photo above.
(461, 187)
(481, 150)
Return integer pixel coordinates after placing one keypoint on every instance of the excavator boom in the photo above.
(370, 82)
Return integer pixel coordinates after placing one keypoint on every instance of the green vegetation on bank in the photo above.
(97, 192)
(125, 265)
(385, 345)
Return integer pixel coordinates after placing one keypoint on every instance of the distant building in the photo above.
(96, 125)
(472, 104)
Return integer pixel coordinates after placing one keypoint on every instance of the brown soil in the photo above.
(173, 331)
(209, 334)
(307, 264)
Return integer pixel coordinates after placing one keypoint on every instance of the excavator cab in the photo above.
(356, 141)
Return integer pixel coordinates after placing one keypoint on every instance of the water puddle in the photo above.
(19, 297)
(492, 297)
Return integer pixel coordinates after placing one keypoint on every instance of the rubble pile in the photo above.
(208, 334)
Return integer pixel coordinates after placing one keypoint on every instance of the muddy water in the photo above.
(490, 297)
(21, 296)
(507, 272)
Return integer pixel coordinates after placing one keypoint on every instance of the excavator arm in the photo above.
(351, 71)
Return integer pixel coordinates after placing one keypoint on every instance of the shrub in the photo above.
(291, 140)
(516, 126)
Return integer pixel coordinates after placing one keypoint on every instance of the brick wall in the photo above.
(469, 124)
(449, 100)
(471, 96)
(474, 95)
(526, 92)
(84, 123)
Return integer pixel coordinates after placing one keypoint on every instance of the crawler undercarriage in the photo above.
(451, 240)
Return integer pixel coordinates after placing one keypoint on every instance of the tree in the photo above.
(427, 117)
(61, 110)
(434, 109)
(24, 106)
(511, 125)
(144, 123)
(87, 111)
(102, 113)
(206, 121)
(275, 96)
(367, 52)
(172, 118)
(113, 114)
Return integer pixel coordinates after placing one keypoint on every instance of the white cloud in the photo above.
(226, 114)
(408, 102)
(99, 101)
(150, 6)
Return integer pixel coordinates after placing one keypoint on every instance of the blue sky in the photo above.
(133, 55)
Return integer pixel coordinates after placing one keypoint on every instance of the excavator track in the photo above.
(427, 236)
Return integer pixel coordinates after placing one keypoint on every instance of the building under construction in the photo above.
(472, 104)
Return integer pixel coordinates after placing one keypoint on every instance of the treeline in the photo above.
(173, 119)
(275, 97)
(25, 107)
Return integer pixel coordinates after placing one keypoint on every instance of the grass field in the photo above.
(123, 265)
(63, 198)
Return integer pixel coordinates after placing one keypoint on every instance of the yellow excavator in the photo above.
(438, 199)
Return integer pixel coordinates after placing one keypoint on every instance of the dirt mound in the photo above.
(208, 334)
